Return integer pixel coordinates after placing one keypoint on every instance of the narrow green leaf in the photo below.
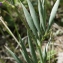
(53, 12)
(43, 2)
(34, 16)
(14, 56)
(23, 54)
(42, 22)
(41, 56)
(29, 20)
(45, 51)
(45, 56)
(32, 51)
(24, 50)
(31, 61)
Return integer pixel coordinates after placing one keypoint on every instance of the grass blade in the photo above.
(24, 50)
(53, 12)
(34, 16)
(29, 20)
(14, 56)
(43, 2)
(32, 51)
(23, 54)
(42, 23)
(45, 56)
(9, 31)
(31, 61)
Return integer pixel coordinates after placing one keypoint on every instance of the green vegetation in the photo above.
(38, 28)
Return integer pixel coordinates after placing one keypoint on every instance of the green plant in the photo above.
(37, 30)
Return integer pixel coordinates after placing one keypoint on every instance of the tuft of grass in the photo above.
(36, 31)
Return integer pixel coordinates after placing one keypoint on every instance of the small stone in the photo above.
(60, 58)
